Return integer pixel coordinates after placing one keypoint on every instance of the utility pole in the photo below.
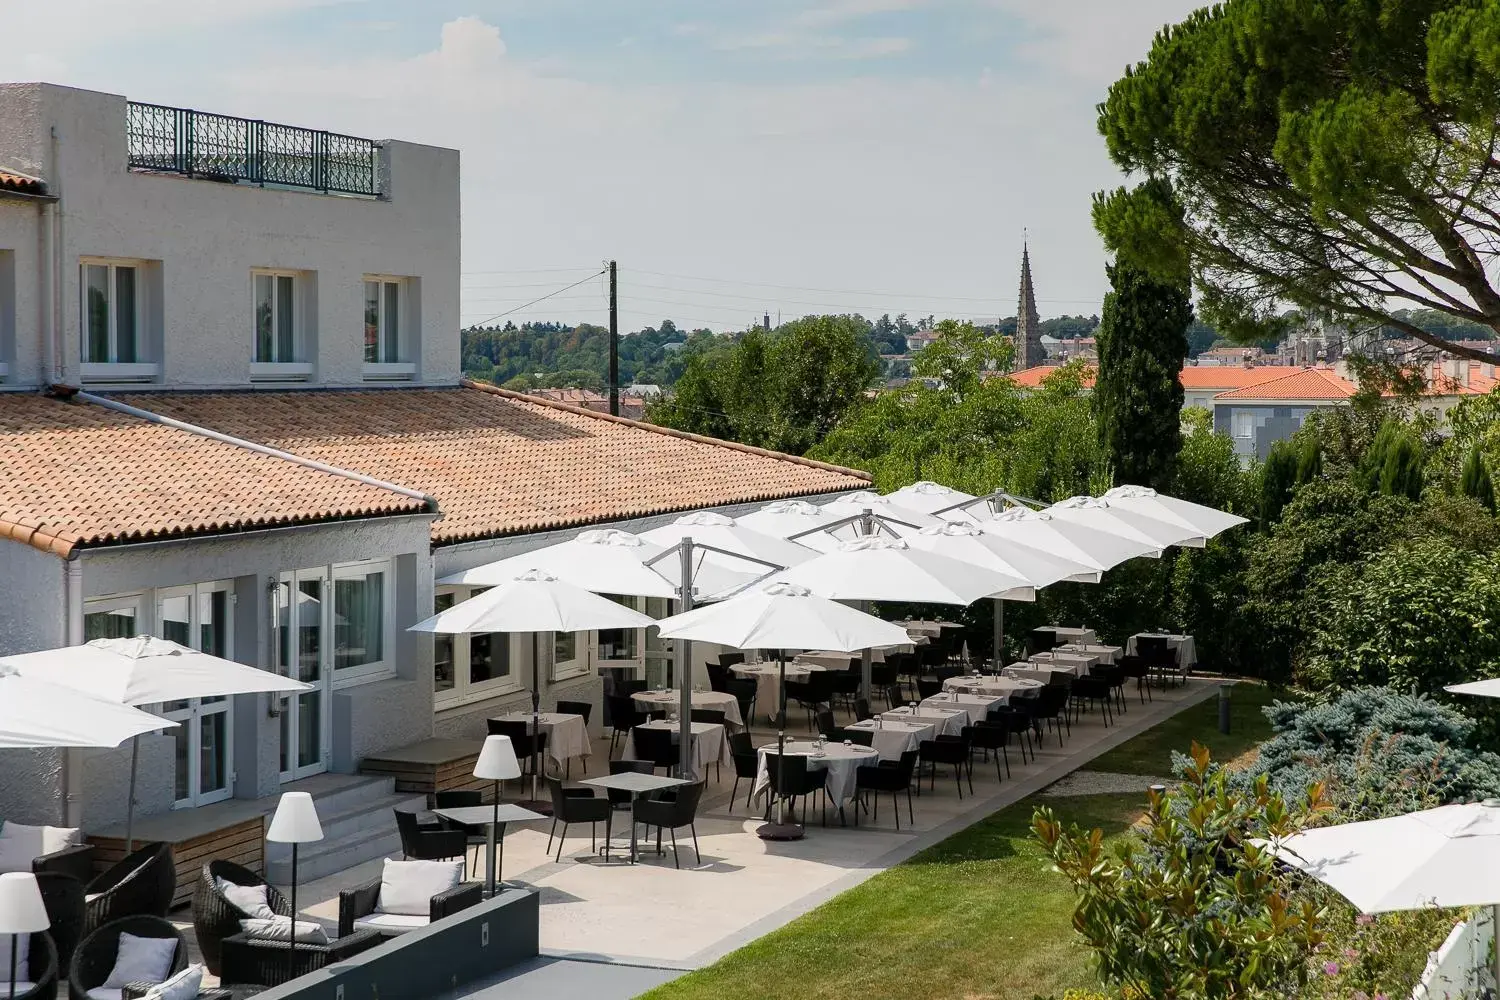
(614, 345)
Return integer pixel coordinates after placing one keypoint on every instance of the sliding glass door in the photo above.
(200, 617)
(304, 618)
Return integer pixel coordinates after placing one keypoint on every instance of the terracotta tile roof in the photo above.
(1030, 378)
(501, 462)
(1300, 383)
(20, 183)
(1231, 376)
(76, 474)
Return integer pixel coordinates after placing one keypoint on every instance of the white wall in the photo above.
(208, 236)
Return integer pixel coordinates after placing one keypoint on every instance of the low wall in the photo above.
(471, 945)
(1461, 967)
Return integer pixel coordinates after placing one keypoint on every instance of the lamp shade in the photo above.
(296, 820)
(21, 907)
(497, 760)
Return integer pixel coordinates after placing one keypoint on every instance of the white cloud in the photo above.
(840, 11)
(1093, 40)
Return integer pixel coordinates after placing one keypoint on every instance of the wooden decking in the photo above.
(233, 831)
(429, 766)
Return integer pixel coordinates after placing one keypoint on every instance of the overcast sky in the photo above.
(733, 155)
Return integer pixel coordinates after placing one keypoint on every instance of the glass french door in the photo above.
(200, 617)
(304, 622)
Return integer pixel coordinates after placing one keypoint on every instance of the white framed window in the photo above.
(619, 646)
(472, 667)
(1242, 424)
(118, 617)
(277, 301)
(569, 656)
(112, 320)
(200, 617)
(388, 337)
(363, 621)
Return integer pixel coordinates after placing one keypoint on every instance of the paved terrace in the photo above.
(611, 930)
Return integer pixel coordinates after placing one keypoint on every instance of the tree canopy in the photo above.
(1337, 154)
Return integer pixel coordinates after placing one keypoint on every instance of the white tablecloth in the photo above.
(1073, 634)
(829, 659)
(1039, 672)
(1186, 649)
(710, 744)
(977, 705)
(1081, 663)
(946, 723)
(892, 739)
(1004, 688)
(1106, 654)
(927, 628)
(768, 682)
(567, 736)
(840, 761)
(717, 700)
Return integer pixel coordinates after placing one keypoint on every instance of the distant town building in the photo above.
(1317, 340)
(631, 405)
(1029, 349)
(1239, 356)
(918, 339)
(1065, 349)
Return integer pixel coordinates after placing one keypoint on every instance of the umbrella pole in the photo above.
(998, 652)
(780, 830)
(865, 661)
(536, 711)
(685, 670)
(135, 754)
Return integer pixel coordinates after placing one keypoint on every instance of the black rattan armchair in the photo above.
(135, 991)
(214, 917)
(75, 861)
(40, 970)
(245, 960)
(140, 884)
(95, 956)
(364, 900)
(62, 895)
(669, 814)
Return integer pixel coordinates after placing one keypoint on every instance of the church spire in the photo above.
(1029, 350)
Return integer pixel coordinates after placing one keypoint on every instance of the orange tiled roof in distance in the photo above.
(501, 462)
(1030, 378)
(73, 473)
(1300, 383)
(1193, 376)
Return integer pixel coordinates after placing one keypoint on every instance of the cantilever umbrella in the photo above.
(1044, 531)
(1126, 522)
(533, 601)
(798, 520)
(889, 515)
(1207, 521)
(146, 670)
(782, 616)
(931, 498)
(37, 714)
(718, 540)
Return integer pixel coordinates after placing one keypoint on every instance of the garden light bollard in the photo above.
(1224, 709)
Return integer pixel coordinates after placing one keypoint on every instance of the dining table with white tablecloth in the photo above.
(1080, 663)
(1106, 654)
(931, 629)
(976, 705)
(841, 761)
(947, 723)
(994, 686)
(710, 744)
(567, 733)
(892, 739)
(1182, 645)
(1065, 634)
(1041, 673)
(718, 701)
(767, 677)
(830, 659)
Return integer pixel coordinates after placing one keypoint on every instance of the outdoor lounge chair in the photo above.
(95, 957)
(359, 909)
(214, 917)
(141, 883)
(245, 960)
(37, 978)
(670, 815)
(62, 895)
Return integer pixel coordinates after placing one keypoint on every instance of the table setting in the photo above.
(710, 743)
(567, 734)
(841, 760)
(669, 700)
(1004, 687)
(1066, 635)
(892, 739)
(945, 722)
(1105, 653)
(1183, 645)
(976, 705)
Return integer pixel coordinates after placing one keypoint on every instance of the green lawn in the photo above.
(1151, 751)
(980, 916)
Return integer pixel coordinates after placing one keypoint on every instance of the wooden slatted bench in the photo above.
(233, 831)
(435, 765)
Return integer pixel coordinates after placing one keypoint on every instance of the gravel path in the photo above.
(1103, 783)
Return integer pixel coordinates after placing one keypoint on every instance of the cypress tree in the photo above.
(1475, 481)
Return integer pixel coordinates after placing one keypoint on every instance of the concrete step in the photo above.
(327, 857)
(358, 826)
(350, 791)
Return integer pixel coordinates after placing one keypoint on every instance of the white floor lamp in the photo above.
(21, 912)
(295, 822)
(497, 762)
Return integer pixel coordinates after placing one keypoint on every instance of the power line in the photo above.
(542, 298)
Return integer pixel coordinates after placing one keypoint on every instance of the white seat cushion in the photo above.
(105, 993)
(279, 928)
(21, 844)
(408, 886)
(391, 923)
(250, 900)
(183, 986)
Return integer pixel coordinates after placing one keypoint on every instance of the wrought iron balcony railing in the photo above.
(219, 147)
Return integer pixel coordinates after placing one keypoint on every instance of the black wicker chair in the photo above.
(364, 900)
(75, 861)
(954, 750)
(214, 917)
(656, 746)
(140, 884)
(618, 798)
(40, 970)
(257, 962)
(62, 895)
(95, 956)
(669, 815)
(135, 991)
(458, 798)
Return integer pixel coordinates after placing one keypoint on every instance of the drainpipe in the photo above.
(44, 303)
(54, 265)
(73, 615)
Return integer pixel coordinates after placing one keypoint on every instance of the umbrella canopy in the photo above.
(534, 601)
(785, 518)
(885, 508)
(145, 670)
(1485, 689)
(1105, 516)
(928, 497)
(1435, 857)
(783, 616)
(1040, 530)
(1207, 521)
(969, 542)
(889, 569)
(35, 713)
(726, 534)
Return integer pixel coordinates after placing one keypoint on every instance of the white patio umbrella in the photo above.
(146, 670)
(797, 520)
(1207, 521)
(895, 518)
(969, 542)
(889, 569)
(603, 560)
(533, 601)
(1106, 516)
(1432, 858)
(1045, 532)
(930, 498)
(37, 714)
(782, 616)
(1489, 688)
(717, 538)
